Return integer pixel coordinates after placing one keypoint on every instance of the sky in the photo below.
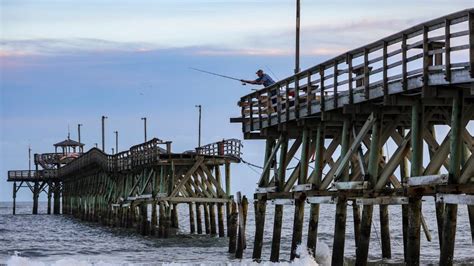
(65, 62)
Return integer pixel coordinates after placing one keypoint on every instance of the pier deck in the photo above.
(337, 117)
(118, 189)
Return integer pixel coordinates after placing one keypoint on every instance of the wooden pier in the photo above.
(337, 116)
(119, 189)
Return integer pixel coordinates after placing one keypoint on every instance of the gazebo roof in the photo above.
(68, 143)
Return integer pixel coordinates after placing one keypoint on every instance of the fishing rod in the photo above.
(216, 74)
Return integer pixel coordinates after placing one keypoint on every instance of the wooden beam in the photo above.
(187, 176)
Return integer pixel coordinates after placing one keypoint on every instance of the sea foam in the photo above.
(323, 257)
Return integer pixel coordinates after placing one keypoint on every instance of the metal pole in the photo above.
(144, 126)
(79, 132)
(113, 151)
(116, 141)
(29, 160)
(297, 50)
(103, 132)
(199, 129)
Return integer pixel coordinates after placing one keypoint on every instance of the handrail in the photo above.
(138, 155)
(454, 18)
(226, 147)
(31, 174)
(409, 58)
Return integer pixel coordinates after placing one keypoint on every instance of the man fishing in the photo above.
(263, 79)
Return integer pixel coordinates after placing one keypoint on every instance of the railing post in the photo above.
(404, 61)
(366, 74)
(385, 71)
(349, 78)
(426, 62)
(447, 47)
(335, 84)
(297, 97)
(321, 81)
(251, 112)
(471, 42)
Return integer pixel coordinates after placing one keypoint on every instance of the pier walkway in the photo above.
(118, 189)
(336, 117)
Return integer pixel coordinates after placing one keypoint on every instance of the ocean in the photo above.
(42, 239)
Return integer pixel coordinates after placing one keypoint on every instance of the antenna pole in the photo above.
(297, 50)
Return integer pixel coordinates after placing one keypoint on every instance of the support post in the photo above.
(50, 194)
(220, 207)
(438, 205)
(192, 226)
(316, 181)
(144, 219)
(227, 191)
(341, 206)
(57, 198)
(212, 218)
(206, 218)
(14, 198)
(362, 251)
(233, 228)
(404, 178)
(385, 231)
(299, 203)
(280, 182)
(450, 218)
(154, 219)
(414, 207)
(174, 216)
(260, 205)
(35, 198)
(198, 218)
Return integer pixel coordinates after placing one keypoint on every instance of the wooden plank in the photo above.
(427, 180)
(303, 187)
(282, 201)
(264, 190)
(351, 185)
(388, 200)
(455, 199)
(322, 200)
(200, 200)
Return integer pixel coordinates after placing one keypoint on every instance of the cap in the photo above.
(259, 71)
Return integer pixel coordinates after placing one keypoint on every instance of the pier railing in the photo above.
(144, 154)
(31, 175)
(226, 147)
(438, 52)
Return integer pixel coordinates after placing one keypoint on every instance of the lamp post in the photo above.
(144, 126)
(79, 133)
(297, 44)
(199, 128)
(29, 160)
(103, 132)
(116, 141)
